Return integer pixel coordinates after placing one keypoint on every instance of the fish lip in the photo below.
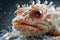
(25, 23)
(30, 27)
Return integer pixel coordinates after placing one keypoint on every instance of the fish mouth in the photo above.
(28, 28)
(27, 24)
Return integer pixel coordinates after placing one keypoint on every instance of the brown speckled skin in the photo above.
(52, 31)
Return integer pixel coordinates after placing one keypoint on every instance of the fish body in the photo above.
(37, 19)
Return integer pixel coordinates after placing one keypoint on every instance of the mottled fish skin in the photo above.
(36, 19)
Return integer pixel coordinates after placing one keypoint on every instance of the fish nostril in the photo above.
(15, 13)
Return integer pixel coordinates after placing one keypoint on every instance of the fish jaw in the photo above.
(30, 29)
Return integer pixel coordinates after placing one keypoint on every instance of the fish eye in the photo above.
(38, 13)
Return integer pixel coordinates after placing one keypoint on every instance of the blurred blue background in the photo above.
(7, 8)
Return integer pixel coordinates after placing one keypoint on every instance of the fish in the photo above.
(35, 20)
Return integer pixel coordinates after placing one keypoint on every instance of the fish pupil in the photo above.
(38, 13)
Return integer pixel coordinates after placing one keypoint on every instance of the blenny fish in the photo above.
(35, 20)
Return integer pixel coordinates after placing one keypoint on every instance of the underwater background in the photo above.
(7, 8)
